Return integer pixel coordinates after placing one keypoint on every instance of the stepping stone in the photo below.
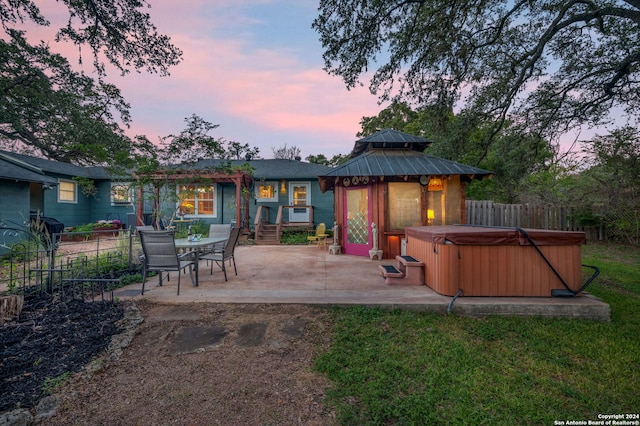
(251, 334)
(196, 339)
(294, 327)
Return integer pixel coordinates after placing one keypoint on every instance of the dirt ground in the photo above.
(206, 364)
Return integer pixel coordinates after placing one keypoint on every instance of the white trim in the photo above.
(273, 199)
(75, 191)
(215, 187)
(129, 190)
(293, 215)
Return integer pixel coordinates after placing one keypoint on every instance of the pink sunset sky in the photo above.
(252, 66)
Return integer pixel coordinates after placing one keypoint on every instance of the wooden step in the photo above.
(268, 235)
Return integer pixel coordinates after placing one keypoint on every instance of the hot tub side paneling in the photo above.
(495, 270)
(440, 270)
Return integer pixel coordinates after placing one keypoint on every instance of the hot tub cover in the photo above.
(485, 235)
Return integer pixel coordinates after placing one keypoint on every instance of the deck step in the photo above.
(408, 271)
(408, 259)
(390, 271)
(268, 235)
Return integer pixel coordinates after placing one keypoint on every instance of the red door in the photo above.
(357, 231)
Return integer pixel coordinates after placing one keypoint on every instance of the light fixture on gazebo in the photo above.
(435, 184)
(431, 215)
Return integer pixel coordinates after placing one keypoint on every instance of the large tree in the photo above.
(48, 109)
(195, 142)
(546, 66)
(119, 31)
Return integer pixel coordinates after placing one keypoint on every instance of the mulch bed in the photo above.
(51, 338)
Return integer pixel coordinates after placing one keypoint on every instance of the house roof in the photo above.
(273, 168)
(14, 169)
(390, 139)
(59, 167)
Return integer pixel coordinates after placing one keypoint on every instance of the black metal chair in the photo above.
(220, 258)
(160, 255)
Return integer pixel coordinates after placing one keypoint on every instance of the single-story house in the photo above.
(31, 185)
(389, 181)
(274, 194)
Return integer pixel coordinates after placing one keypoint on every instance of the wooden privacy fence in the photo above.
(560, 218)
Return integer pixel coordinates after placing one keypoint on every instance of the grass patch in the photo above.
(52, 385)
(398, 367)
(294, 237)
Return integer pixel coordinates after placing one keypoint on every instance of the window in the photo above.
(121, 194)
(197, 200)
(404, 205)
(267, 192)
(67, 191)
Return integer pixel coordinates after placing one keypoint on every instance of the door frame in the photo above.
(299, 217)
(357, 249)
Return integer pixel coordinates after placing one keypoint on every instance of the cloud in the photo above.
(270, 90)
(261, 92)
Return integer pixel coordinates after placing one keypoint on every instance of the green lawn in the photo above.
(421, 368)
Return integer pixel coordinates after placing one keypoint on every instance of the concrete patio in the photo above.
(307, 275)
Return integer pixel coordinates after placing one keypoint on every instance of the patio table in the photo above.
(196, 246)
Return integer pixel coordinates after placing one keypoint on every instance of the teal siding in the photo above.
(71, 214)
(101, 208)
(87, 209)
(14, 199)
(322, 203)
(226, 205)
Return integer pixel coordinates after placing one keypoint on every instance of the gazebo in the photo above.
(391, 183)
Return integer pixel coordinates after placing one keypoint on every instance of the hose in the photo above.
(458, 294)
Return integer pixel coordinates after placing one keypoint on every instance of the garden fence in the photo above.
(560, 218)
(86, 265)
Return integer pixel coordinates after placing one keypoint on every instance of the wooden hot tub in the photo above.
(486, 261)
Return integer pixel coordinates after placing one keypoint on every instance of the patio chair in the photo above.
(226, 254)
(219, 230)
(167, 224)
(160, 255)
(319, 236)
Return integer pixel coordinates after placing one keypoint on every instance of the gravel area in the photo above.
(207, 364)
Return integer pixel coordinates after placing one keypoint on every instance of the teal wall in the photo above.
(322, 204)
(71, 214)
(14, 199)
(101, 208)
(226, 204)
(87, 209)
(91, 209)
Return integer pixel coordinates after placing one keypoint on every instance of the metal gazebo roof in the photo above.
(395, 155)
(398, 163)
(390, 139)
